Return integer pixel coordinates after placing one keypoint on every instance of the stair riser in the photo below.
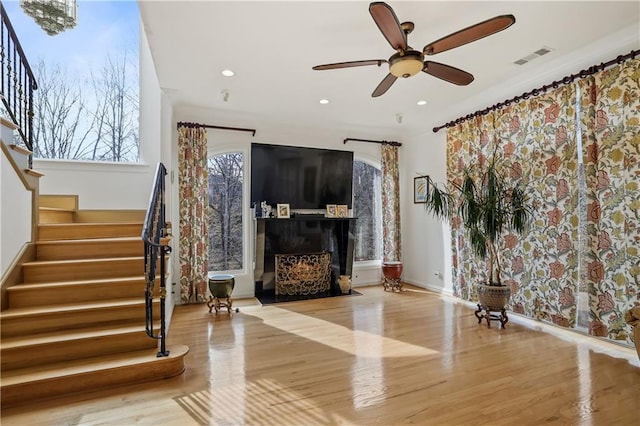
(49, 388)
(48, 216)
(82, 270)
(32, 355)
(23, 296)
(87, 250)
(69, 202)
(40, 323)
(82, 231)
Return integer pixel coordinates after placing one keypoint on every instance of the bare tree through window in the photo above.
(73, 122)
(367, 206)
(225, 211)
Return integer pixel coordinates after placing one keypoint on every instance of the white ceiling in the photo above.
(272, 46)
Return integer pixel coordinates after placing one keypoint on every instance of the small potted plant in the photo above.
(488, 204)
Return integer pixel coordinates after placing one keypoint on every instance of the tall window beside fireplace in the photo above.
(367, 207)
(226, 179)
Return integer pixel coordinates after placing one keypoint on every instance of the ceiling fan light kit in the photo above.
(407, 62)
(407, 65)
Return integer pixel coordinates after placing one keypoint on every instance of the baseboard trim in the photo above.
(430, 287)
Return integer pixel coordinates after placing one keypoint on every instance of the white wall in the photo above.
(167, 126)
(426, 242)
(423, 237)
(98, 185)
(15, 211)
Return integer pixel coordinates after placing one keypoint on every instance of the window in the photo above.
(367, 207)
(226, 177)
(87, 102)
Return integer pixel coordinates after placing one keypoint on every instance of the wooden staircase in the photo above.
(77, 321)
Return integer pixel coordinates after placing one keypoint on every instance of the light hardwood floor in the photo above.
(375, 359)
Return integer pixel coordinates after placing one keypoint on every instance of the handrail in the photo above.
(17, 81)
(153, 230)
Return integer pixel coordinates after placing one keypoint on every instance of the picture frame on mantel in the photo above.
(420, 189)
(342, 210)
(331, 210)
(283, 211)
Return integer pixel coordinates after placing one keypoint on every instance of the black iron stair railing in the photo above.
(17, 81)
(154, 231)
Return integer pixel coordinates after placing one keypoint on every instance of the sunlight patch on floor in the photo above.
(263, 402)
(355, 342)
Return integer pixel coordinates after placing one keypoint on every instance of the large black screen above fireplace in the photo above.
(304, 178)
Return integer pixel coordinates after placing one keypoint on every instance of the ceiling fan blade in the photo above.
(350, 64)
(447, 73)
(469, 34)
(384, 85)
(387, 22)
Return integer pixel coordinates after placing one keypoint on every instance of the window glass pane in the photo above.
(367, 206)
(225, 211)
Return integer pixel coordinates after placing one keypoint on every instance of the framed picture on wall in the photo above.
(420, 189)
(331, 210)
(283, 211)
(342, 210)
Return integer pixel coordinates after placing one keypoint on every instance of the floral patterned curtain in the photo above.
(535, 143)
(468, 142)
(538, 144)
(194, 218)
(610, 110)
(586, 231)
(391, 249)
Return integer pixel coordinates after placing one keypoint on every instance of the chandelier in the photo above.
(53, 16)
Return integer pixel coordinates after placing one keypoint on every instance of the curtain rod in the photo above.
(210, 126)
(535, 92)
(392, 143)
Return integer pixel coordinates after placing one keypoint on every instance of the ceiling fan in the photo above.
(407, 62)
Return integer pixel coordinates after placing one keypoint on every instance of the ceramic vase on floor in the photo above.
(392, 271)
(345, 284)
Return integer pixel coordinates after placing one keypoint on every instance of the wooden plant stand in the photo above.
(218, 303)
(486, 313)
(392, 284)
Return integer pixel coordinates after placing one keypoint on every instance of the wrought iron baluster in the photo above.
(155, 252)
(17, 81)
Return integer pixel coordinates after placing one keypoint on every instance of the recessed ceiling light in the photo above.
(324, 101)
(227, 73)
(422, 103)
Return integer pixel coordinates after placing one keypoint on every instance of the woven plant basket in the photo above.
(493, 297)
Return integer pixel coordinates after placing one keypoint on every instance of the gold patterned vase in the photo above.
(345, 284)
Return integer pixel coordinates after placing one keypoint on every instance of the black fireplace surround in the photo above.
(300, 235)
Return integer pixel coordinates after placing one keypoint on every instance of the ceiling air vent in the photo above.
(540, 52)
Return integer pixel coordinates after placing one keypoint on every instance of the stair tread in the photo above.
(70, 335)
(51, 284)
(18, 148)
(89, 224)
(90, 240)
(48, 309)
(90, 260)
(87, 365)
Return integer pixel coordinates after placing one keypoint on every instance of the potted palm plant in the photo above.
(488, 203)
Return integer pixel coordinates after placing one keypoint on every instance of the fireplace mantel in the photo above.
(302, 234)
